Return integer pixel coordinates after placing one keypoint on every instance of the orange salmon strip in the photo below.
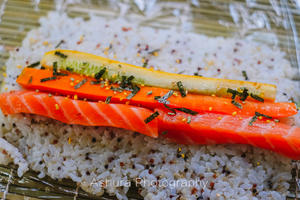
(79, 112)
(212, 128)
(30, 79)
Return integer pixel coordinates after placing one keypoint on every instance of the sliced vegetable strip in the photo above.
(212, 128)
(88, 64)
(79, 112)
(145, 96)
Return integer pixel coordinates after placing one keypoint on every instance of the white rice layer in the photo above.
(96, 155)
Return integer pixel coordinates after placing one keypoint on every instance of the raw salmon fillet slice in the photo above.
(212, 128)
(79, 112)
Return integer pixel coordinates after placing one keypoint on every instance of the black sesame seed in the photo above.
(59, 168)
(41, 162)
(14, 125)
(110, 159)
(94, 140)
(87, 173)
(185, 158)
(3, 124)
(186, 170)
(270, 184)
(106, 166)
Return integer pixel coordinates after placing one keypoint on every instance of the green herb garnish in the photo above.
(81, 83)
(164, 132)
(55, 73)
(116, 89)
(62, 41)
(48, 79)
(30, 80)
(233, 92)
(34, 64)
(151, 117)
(149, 93)
(107, 100)
(256, 97)
(245, 75)
(100, 73)
(237, 104)
(244, 94)
(262, 115)
(188, 111)
(157, 97)
(253, 119)
(169, 108)
(189, 119)
(257, 114)
(60, 74)
(42, 67)
(145, 64)
(126, 81)
(136, 89)
(129, 79)
(69, 69)
(171, 113)
(164, 98)
(181, 89)
(123, 82)
(54, 68)
(58, 53)
(95, 82)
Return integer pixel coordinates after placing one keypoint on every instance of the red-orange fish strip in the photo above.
(212, 128)
(79, 112)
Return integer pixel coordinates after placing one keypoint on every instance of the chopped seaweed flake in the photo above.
(151, 117)
(188, 111)
(81, 83)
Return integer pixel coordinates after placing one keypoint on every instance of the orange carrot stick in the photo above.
(64, 85)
